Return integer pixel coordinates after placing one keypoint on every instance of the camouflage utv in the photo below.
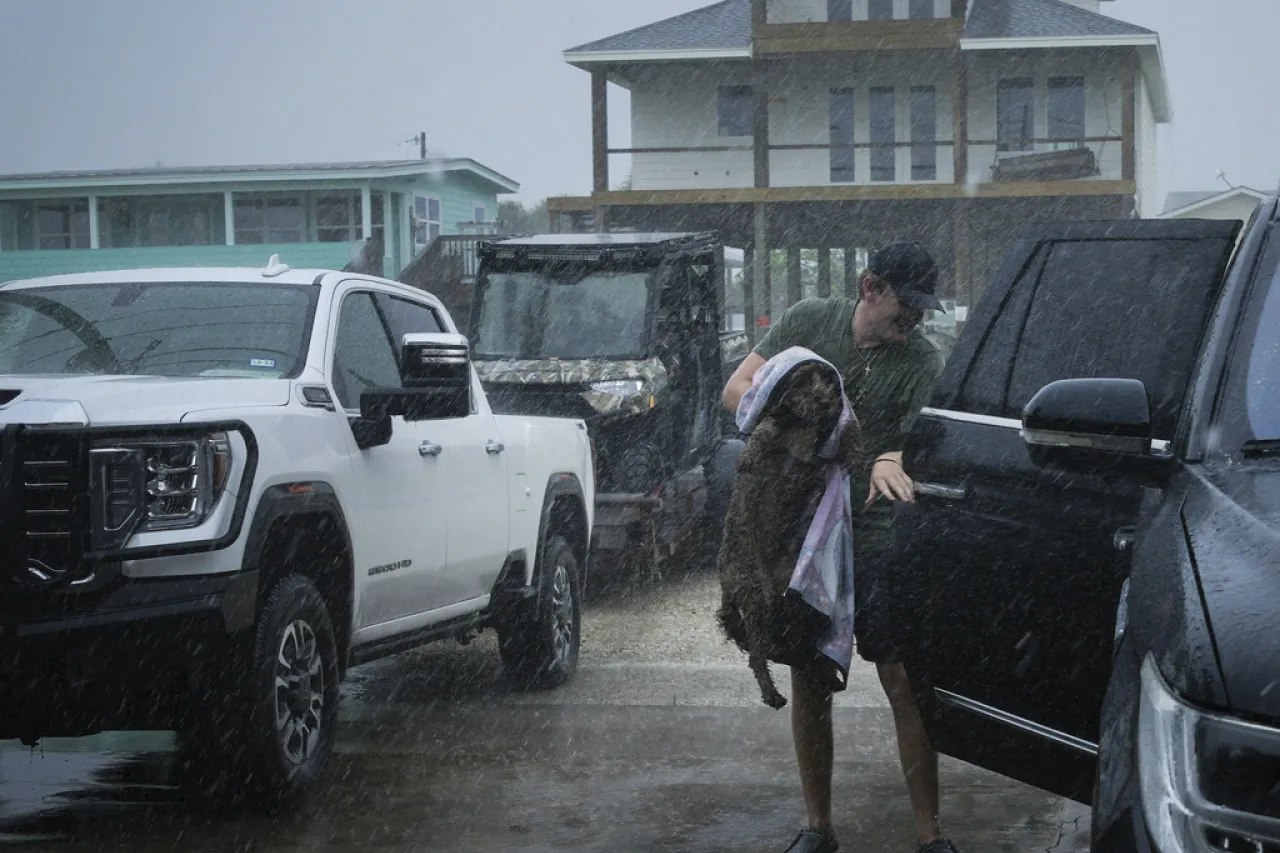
(623, 331)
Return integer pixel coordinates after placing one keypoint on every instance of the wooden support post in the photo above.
(760, 272)
(851, 272)
(960, 120)
(600, 130)
(749, 264)
(964, 288)
(824, 271)
(760, 122)
(794, 284)
(1128, 119)
(759, 15)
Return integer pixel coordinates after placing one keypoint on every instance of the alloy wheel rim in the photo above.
(299, 692)
(562, 614)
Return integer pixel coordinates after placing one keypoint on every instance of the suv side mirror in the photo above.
(435, 384)
(1110, 415)
(1094, 426)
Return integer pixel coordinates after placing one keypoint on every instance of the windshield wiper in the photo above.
(1261, 448)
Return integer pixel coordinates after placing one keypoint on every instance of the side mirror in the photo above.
(1109, 415)
(435, 384)
(1094, 427)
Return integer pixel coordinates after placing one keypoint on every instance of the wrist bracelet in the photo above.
(880, 459)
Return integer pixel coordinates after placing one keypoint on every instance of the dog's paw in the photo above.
(777, 701)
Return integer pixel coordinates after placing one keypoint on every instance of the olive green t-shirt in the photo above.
(887, 385)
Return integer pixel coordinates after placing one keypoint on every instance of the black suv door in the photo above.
(1014, 570)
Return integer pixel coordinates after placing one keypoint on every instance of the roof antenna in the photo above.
(421, 139)
(1222, 176)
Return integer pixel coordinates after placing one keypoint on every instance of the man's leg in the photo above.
(919, 761)
(811, 731)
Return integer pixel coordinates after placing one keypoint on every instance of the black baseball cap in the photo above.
(910, 272)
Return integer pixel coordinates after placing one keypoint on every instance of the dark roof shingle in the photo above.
(723, 26)
(996, 19)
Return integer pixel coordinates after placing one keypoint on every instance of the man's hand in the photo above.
(890, 480)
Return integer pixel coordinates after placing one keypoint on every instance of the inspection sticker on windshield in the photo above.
(262, 362)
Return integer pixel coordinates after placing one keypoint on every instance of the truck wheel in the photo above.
(539, 642)
(292, 694)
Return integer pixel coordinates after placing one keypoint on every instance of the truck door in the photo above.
(472, 466)
(1012, 571)
(398, 521)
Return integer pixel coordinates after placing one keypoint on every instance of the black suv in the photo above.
(1093, 561)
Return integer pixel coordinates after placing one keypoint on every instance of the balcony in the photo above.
(883, 169)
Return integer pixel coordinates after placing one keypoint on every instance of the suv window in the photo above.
(987, 381)
(363, 357)
(1112, 308)
(408, 318)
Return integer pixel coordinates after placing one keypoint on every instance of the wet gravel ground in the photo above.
(660, 743)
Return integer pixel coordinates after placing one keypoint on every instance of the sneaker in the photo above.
(813, 840)
(938, 845)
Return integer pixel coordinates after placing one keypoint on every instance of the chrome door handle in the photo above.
(946, 493)
(429, 448)
(493, 448)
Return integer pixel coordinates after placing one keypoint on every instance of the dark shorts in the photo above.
(881, 621)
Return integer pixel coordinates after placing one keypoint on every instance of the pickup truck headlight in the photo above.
(156, 484)
(1208, 782)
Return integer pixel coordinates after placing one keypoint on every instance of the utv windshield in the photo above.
(164, 329)
(585, 314)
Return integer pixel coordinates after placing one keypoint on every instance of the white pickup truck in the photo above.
(220, 488)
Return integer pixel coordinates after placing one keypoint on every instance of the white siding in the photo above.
(1146, 153)
(815, 11)
(1102, 105)
(798, 115)
(674, 108)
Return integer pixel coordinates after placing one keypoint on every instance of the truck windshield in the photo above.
(535, 315)
(162, 329)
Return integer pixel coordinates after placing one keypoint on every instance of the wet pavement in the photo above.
(660, 744)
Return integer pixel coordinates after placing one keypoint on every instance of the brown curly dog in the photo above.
(779, 480)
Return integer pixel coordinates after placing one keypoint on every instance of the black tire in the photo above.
(638, 469)
(541, 637)
(292, 709)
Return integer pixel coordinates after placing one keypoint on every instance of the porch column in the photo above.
(95, 240)
(1128, 118)
(759, 15)
(964, 256)
(760, 272)
(366, 212)
(851, 272)
(794, 285)
(600, 130)
(760, 122)
(750, 263)
(229, 217)
(960, 117)
(391, 269)
(824, 271)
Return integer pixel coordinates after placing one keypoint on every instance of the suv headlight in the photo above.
(1208, 782)
(617, 395)
(155, 484)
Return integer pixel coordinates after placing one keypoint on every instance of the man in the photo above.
(889, 368)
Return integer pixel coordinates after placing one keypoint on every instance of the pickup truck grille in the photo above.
(52, 488)
(47, 509)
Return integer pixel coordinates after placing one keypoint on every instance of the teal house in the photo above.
(374, 217)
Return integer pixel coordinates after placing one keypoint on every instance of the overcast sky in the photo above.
(116, 83)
